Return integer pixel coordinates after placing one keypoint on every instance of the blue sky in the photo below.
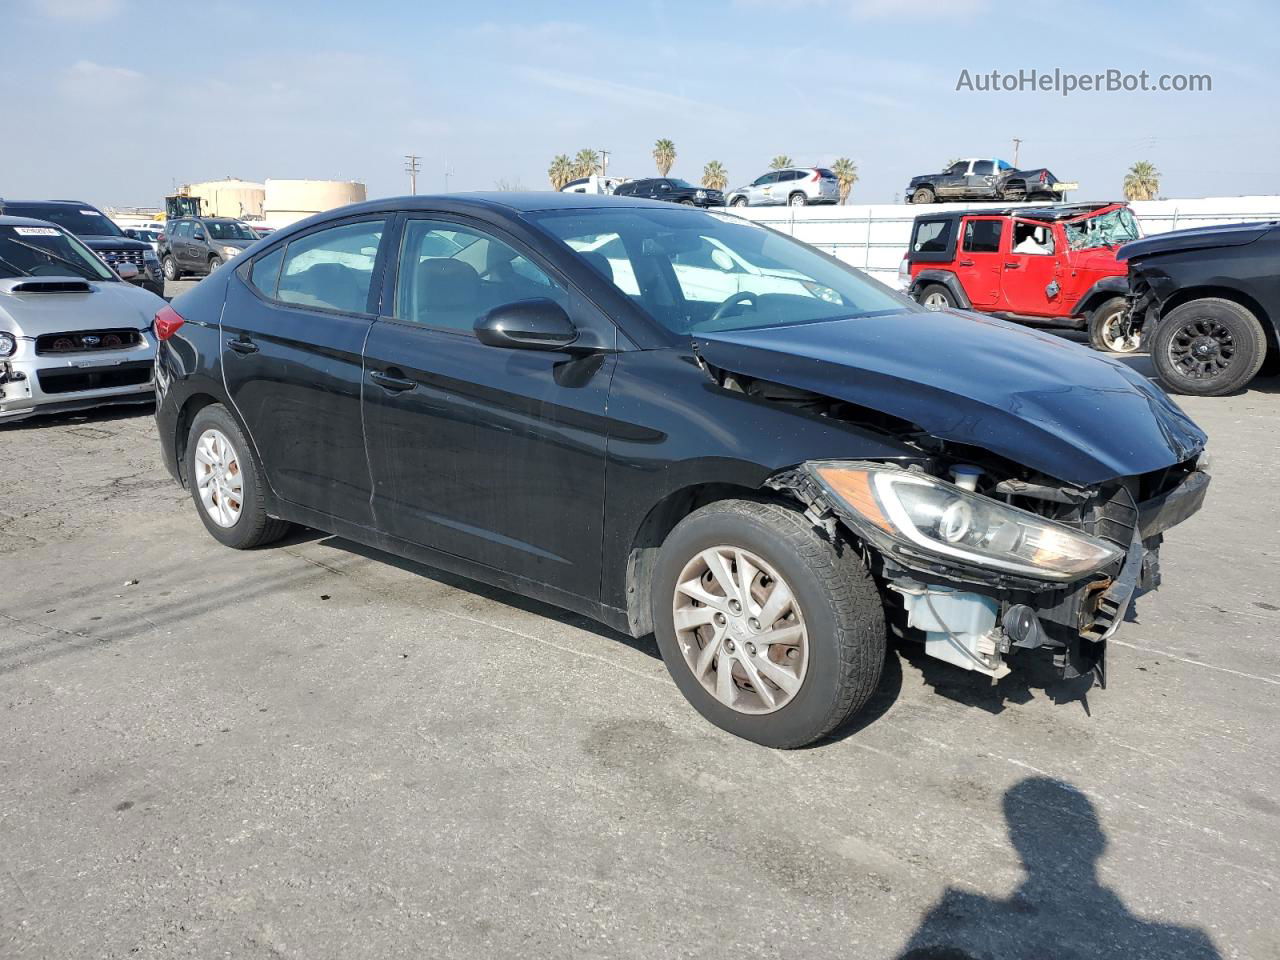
(113, 101)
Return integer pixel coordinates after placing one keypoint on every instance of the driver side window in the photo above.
(451, 275)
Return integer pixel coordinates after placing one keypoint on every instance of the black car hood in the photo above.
(1201, 238)
(1046, 403)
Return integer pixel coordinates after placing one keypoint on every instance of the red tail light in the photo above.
(816, 176)
(166, 323)
(1044, 175)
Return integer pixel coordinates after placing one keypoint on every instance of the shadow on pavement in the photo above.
(104, 414)
(1060, 910)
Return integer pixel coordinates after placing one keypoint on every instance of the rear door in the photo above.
(293, 332)
(489, 454)
(979, 262)
(981, 176)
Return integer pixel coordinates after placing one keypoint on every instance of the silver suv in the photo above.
(794, 186)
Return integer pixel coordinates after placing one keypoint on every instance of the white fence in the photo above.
(874, 237)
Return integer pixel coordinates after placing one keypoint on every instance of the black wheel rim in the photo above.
(1202, 349)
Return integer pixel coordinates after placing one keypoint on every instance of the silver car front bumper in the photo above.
(31, 383)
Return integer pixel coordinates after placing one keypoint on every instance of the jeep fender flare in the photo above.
(1103, 290)
(947, 279)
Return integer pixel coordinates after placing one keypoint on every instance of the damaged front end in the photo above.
(987, 564)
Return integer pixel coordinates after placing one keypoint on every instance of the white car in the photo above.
(794, 186)
(73, 333)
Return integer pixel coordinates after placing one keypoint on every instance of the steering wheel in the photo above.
(742, 296)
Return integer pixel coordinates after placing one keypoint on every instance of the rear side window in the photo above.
(984, 168)
(983, 236)
(266, 271)
(331, 269)
(932, 236)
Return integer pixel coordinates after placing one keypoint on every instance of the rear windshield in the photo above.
(826, 174)
(35, 251)
(82, 221)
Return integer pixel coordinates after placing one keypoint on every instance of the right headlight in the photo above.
(964, 528)
(8, 344)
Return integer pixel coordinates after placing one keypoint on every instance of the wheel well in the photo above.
(1225, 293)
(182, 427)
(652, 533)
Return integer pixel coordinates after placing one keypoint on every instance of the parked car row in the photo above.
(792, 186)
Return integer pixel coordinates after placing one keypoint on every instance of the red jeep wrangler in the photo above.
(1049, 266)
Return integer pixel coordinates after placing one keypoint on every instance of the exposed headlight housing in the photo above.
(230, 251)
(939, 519)
(8, 344)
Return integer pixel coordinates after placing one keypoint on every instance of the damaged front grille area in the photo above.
(86, 341)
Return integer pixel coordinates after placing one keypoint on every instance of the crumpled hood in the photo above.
(107, 305)
(1049, 404)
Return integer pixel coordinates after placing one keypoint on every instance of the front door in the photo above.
(953, 181)
(767, 190)
(293, 331)
(1029, 281)
(489, 454)
(979, 262)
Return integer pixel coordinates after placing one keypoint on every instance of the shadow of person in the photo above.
(1060, 911)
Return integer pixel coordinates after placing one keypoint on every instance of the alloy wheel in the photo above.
(741, 630)
(1202, 349)
(1118, 336)
(219, 480)
(936, 301)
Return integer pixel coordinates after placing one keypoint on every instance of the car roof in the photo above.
(1050, 213)
(530, 201)
(6, 201)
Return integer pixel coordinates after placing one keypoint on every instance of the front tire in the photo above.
(1108, 331)
(923, 195)
(773, 632)
(214, 263)
(738, 202)
(226, 484)
(1208, 347)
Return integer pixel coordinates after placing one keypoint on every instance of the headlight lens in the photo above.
(943, 519)
(230, 251)
(149, 254)
(8, 344)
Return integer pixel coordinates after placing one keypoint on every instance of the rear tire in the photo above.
(1105, 328)
(833, 619)
(935, 296)
(232, 511)
(797, 199)
(1208, 347)
(924, 195)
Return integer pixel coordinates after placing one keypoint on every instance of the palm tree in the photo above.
(1142, 182)
(586, 163)
(715, 176)
(664, 155)
(780, 162)
(561, 171)
(846, 172)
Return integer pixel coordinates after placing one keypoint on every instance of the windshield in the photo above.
(82, 221)
(47, 252)
(229, 230)
(1108, 230)
(699, 272)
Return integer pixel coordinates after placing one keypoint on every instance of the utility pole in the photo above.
(604, 163)
(1017, 142)
(448, 172)
(411, 167)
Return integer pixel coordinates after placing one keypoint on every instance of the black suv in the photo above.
(673, 189)
(99, 233)
(202, 244)
(1208, 303)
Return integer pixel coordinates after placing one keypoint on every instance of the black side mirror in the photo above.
(539, 324)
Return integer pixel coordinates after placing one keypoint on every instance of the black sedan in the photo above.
(672, 190)
(678, 423)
